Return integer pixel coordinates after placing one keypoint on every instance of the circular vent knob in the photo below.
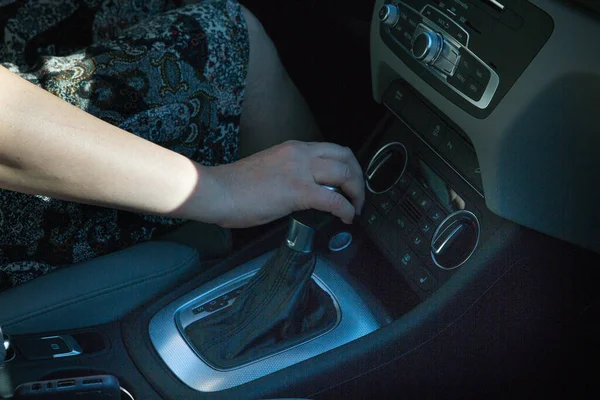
(455, 240)
(386, 167)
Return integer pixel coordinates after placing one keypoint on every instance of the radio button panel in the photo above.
(440, 44)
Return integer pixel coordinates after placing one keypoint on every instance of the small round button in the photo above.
(388, 14)
(427, 46)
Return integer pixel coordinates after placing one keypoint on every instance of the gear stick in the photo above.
(281, 305)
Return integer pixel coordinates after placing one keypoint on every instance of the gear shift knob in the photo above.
(304, 224)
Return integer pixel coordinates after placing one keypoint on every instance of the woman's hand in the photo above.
(283, 179)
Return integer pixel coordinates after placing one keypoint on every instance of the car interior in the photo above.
(471, 271)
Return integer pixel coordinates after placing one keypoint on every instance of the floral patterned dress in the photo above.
(171, 74)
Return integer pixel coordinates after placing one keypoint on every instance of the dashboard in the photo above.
(519, 82)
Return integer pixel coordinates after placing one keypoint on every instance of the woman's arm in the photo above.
(50, 147)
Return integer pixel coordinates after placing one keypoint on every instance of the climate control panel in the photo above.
(440, 44)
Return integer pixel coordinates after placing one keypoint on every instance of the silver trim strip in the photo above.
(435, 152)
(369, 176)
(435, 234)
(385, 159)
(126, 393)
(236, 284)
(356, 320)
(495, 3)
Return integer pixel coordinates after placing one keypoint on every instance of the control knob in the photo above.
(389, 14)
(455, 240)
(427, 46)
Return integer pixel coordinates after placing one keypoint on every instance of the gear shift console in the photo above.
(265, 315)
(280, 307)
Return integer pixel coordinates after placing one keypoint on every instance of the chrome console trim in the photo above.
(166, 329)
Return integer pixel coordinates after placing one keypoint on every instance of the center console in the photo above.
(423, 252)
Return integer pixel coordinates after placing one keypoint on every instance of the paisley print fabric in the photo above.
(171, 74)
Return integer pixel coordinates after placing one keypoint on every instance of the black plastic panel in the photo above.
(442, 136)
(401, 221)
(103, 354)
(506, 41)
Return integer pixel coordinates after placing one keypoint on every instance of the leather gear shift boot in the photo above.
(280, 307)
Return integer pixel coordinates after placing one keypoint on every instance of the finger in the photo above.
(330, 172)
(344, 154)
(327, 200)
(330, 150)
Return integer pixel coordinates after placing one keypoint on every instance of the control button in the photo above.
(446, 24)
(428, 13)
(396, 97)
(415, 192)
(423, 278)
(57, 345)
(426, 229)
(401, 222)
(403, 34)
(405, 28)
(418, 243)
(458, 80)
(470, 168)
(448, 147)
(404, 182)
(450, 53)
(481, 74)
(444, 65)
(473, 173)
(454, 148)
(370, 218)
(408, 262)
(388, 14)
(423, 202)
(459, 34)
(466, 64)
(474, 89)
(383, 204)
(427, 46)
(409, 19)
(436, 215)
(435, 131)
(395, 194)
